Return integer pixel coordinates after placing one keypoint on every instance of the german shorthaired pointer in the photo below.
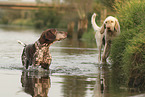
(37, 54)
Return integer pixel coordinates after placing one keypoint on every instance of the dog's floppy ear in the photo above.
(50, 34)
(117, 26)
(103, 28)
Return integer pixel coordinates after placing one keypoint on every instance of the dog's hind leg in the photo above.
(27, 64)
(99, 56)
(25, 61)
(99, 38)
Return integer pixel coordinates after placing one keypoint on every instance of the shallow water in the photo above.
(74, 71)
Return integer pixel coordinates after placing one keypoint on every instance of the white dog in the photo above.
(109, 29)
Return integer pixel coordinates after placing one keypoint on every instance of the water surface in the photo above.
(74, 70)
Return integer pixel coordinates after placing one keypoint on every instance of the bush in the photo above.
(89, 35)
(134, 61)
(22, 22)
(131, 18)
(47, 18)
(128, 50)
(134, 53)
(119, 44)
(130, 13)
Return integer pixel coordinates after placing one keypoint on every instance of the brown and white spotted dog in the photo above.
(38, 54)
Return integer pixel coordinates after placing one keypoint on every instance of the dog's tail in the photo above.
(23, 44)
(95, 26)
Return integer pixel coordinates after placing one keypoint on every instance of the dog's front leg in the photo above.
(106, 52)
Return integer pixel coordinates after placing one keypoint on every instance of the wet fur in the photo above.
(37, 54)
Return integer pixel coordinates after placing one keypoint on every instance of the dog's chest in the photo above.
(110, 34)
(43, 56)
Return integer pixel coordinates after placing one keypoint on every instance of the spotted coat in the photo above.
(42, 55)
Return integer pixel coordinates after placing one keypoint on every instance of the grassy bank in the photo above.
(128, 50)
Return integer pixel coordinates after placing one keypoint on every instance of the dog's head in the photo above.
(51, 35)
(110, 24)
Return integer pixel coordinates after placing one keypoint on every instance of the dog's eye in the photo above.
(111, 21)
(106, 22)
(61, 32)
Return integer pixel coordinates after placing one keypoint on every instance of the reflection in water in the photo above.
(101, 88)
(74, 87)
(36, 85)
(77, 86)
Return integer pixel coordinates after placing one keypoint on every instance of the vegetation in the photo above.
(89, 35)
(134, 61)
(128, 50)
(47, 18)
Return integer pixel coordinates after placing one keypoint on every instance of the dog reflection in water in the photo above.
(35, 85)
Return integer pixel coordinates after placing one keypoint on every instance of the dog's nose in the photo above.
(108, 28)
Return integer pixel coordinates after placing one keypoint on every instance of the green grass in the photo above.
(23, 22)
(89, 36)
(132, 21)
(134, 61)
(128, 50)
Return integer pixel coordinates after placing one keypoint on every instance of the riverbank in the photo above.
(128, 50)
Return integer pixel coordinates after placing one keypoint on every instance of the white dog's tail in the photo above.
(95, 26)
(23, 44)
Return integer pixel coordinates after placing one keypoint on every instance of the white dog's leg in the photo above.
(99, 38)
(99, 50)
(106, 52)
